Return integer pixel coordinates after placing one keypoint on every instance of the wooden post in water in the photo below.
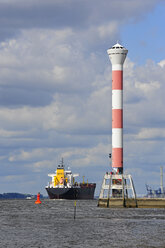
(74, 209)
(123, 193)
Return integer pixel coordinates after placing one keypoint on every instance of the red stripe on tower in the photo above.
(117, 118)
(118, 157)
(117, 80)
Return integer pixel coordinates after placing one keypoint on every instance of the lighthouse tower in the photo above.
(116, 184)
(117, 55)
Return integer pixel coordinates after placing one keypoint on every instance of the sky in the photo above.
(55, 90)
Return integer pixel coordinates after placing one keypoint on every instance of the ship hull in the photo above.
(82, 192)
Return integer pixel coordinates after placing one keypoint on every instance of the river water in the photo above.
(51, 224)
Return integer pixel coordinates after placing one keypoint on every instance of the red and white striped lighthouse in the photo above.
(117, 55)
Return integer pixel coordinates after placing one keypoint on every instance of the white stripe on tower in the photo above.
(117, 118)
(117, 55)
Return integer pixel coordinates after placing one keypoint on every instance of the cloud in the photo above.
(151, 133)
(162, 63)
(55, 90)
(17, 15)
(43, 67)
(32, 154)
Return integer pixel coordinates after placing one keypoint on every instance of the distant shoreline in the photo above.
(18, 196)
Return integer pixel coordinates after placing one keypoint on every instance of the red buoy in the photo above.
(38, 199)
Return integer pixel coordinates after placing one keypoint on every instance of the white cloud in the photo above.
(147, 88)
(162, 63)
(60, 73)
(32, 155)
(151, 133)
(7, 133)
(108, 29)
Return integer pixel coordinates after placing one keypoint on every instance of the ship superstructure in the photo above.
(62, 178)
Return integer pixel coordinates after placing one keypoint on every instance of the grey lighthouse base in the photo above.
(132, 203)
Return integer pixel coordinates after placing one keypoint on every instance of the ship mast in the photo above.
(62, 162)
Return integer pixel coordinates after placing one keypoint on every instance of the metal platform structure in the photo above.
(117, 186)
(118, 191)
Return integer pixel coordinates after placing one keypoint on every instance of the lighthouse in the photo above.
(117, 55)
(116, 184)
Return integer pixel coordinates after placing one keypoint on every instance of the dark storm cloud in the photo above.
(49, 14)
(16, 15)
(15, 97)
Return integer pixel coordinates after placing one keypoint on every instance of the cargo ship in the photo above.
(64, 186)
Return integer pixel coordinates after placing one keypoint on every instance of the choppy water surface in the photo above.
(51, 224)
